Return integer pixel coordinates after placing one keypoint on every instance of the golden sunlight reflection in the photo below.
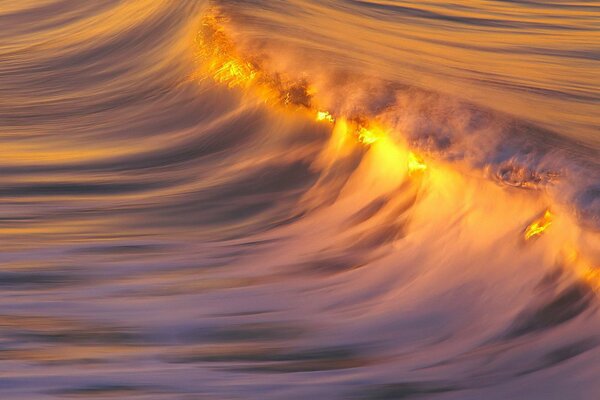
(591, 276)
(584, 270)
(537, 227)
(325, 116)
(415, 164)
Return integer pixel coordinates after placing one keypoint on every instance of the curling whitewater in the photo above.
(298, 223)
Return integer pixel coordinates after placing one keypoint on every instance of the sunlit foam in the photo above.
(367, 136)
(235, 73)
(325, 116)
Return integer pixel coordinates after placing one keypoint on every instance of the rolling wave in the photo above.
(339, 199)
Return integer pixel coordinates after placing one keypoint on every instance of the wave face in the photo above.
(275, 200)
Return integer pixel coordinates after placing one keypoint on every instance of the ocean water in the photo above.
(263, 199)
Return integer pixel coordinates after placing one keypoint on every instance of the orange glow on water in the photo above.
(537, 227)
(583, 268)
(591, 276)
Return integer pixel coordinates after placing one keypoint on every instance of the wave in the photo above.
(512, 152)
(192, 206)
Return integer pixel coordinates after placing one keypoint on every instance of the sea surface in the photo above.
(327, 199)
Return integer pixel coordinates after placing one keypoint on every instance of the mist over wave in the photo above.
(277, 200)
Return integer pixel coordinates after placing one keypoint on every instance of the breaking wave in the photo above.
(277, 200)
